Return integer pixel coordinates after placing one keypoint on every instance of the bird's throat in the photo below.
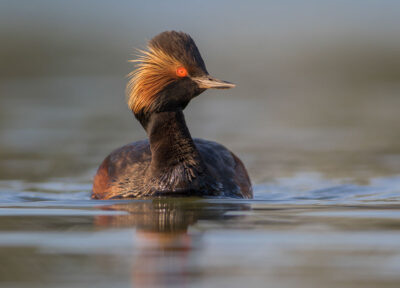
(175, 161)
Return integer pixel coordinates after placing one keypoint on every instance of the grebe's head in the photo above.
(169, 74)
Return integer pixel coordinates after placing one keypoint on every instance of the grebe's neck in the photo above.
(174, 154)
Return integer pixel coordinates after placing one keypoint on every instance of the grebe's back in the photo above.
(114, 177)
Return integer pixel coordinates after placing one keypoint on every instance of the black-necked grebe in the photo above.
(169, 74)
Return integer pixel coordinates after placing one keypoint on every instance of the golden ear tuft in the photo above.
(155, 70)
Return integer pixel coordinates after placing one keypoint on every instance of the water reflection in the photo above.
(167, 241)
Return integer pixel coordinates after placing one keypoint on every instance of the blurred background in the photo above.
(318, 83)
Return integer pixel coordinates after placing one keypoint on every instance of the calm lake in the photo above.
(314, 117)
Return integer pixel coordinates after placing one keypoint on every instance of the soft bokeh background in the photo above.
(317, 82)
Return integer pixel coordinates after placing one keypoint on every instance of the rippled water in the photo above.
(299, 231)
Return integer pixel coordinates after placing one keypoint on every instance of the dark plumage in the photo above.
(170, 163)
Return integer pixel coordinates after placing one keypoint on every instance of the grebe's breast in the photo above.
(123, 173)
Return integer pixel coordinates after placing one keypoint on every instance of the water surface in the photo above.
(53, 235)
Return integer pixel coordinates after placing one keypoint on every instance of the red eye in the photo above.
(181, 72)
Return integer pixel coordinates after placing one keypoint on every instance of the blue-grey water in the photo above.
(314, 117)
